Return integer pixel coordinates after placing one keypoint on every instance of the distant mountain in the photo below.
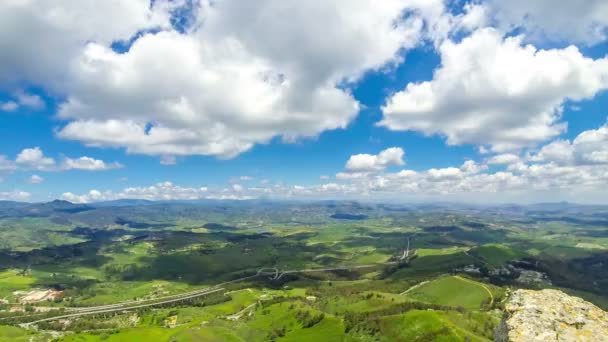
(122, 203)
(19, 209)
(346, 216)
(12, 204)
(60, 206)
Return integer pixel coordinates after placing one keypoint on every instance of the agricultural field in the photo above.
(263, 271)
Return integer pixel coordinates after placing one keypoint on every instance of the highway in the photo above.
(112, 310)
(273, 272)
(130, 305)
(330, 269)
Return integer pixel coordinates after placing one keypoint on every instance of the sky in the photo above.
(395, 100)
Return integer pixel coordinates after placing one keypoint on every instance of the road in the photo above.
(80, 314)
(131, 305)
(330, 269)
(414, 287)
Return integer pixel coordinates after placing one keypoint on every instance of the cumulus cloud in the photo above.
(494, 91)
(231, 78)
(34, 159)
(35, 179)
(572, 170)
(583, 21)
(168, 160)
(159, 191)
(580, 174)
(23, 99)
(9, 106)
(370, 162)
(236, 80)
(88, 164)
(6, 164)
(31, 101)
(38, 39)
(15, 195)
(589, 147)
(475, 16)
(505, 158)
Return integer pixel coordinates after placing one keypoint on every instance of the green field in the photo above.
(142, 253)
(497, 254)
(432, 326)
(451, 291)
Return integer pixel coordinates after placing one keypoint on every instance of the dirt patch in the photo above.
(36, 296)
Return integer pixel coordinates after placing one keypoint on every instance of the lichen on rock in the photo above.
(551, 315)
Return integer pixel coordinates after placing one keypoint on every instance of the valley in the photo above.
(287, 271)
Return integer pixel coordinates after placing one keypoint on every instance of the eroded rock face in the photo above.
(551, 315)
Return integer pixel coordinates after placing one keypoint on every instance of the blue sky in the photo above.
(471, 101)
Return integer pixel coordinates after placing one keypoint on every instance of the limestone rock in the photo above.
(551, 315)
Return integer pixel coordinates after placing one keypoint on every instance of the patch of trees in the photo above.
(218, 226)
(390, 269)
(368, 322)
(141, 225)
(440, 229)
(588, 274)
(475, 225)
(308, 319)
(278, 299)
(277, 333)
(344, 216)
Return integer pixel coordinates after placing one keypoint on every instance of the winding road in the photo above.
(273, 272)
(80, 314)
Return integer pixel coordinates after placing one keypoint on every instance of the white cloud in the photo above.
(23, 99)
(234, 79)
(495, 91)
(35, 179)
(6, 165)
(369, 162)
(168, 160)
(505, 158)
(32, 101)
(88, 164)
(573, 20)
(14, 196)
(525, 179)
(475, 16)
(557, 151)
(159, 191)
(39, 39)
(589, 147)
(9, 106)
(231, 82)
(268, 85)
(34, 158)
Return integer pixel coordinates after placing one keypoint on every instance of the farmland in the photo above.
(347, 279)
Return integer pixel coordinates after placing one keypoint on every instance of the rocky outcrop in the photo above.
(551, 315)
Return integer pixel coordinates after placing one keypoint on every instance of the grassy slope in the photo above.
(450, 291)
(425, 326)
(10, 281)
(496, 254)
